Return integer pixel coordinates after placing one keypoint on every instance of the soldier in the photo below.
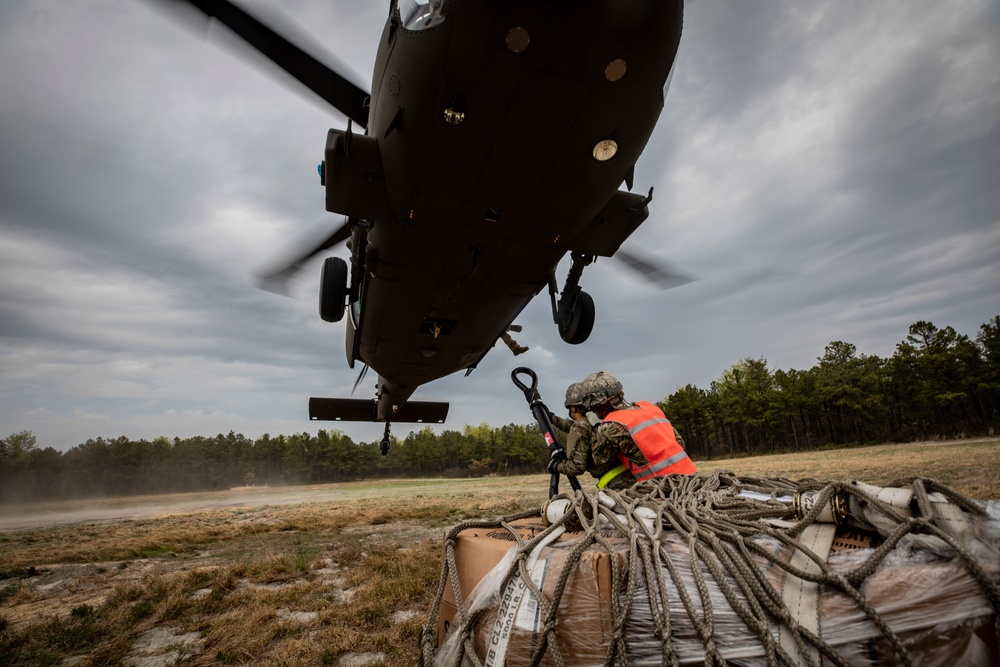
(578, 445)
(634, 437)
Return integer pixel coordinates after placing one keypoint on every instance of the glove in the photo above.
(558, 456)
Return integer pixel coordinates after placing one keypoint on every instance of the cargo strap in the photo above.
(510, 611)
(610, 475)
(800, 596)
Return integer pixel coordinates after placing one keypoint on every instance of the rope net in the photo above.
(719, 569)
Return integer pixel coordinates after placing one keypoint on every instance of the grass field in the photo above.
(332, 575)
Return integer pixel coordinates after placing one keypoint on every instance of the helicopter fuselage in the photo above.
(498, 136)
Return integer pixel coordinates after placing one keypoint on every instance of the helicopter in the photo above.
(493, 143)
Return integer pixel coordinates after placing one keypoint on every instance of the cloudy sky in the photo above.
(828, 171)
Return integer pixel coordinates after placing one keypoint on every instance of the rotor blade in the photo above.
(660, 274)
(361, 377)
(277, 280)
(337, 91)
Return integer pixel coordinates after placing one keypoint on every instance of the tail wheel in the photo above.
(333, 290)
(576, 328)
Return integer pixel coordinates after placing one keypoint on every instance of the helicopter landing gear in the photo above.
(333, 289)
(385, 439)
(575, 312)
(578, 322)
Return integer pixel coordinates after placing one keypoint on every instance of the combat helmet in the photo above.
(575, 394)
(599, 387)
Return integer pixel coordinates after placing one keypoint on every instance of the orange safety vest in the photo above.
(653, 434)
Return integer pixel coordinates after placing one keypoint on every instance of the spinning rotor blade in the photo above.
(337, 91)
(659, 274)
(277, 280)
(361, 377)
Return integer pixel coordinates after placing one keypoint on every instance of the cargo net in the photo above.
(719, 569)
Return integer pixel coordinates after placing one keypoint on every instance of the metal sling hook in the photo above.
(530, 393)
(541, 414)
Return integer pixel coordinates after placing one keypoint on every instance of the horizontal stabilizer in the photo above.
(427, 412)
(366, 410)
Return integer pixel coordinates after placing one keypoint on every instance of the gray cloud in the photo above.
(827, 172)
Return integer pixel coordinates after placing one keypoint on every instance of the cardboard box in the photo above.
(937, 608)
(852, 539)
(477, 552)
(584, 623)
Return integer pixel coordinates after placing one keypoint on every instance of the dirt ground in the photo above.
(45, 590)
(56, 590)
(44, 515)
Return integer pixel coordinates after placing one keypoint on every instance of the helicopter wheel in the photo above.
(385, 446)
(580, 322)
(333, 289)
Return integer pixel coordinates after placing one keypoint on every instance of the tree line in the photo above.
(938, 383)
(120, 466)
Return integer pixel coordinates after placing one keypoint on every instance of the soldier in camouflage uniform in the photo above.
(615, 447)
(579, 442)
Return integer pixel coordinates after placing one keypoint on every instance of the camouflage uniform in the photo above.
(580, 459)
(578, 439)
(612, 438)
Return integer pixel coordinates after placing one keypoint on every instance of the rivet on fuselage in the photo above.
(518, 39)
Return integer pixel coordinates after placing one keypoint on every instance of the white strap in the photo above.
(510, 602)
(802, 597)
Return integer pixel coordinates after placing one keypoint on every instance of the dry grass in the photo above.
(301, 584)
(971, 467)
(350, 572)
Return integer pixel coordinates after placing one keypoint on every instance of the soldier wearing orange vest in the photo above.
(578, 458)
(636, 435)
